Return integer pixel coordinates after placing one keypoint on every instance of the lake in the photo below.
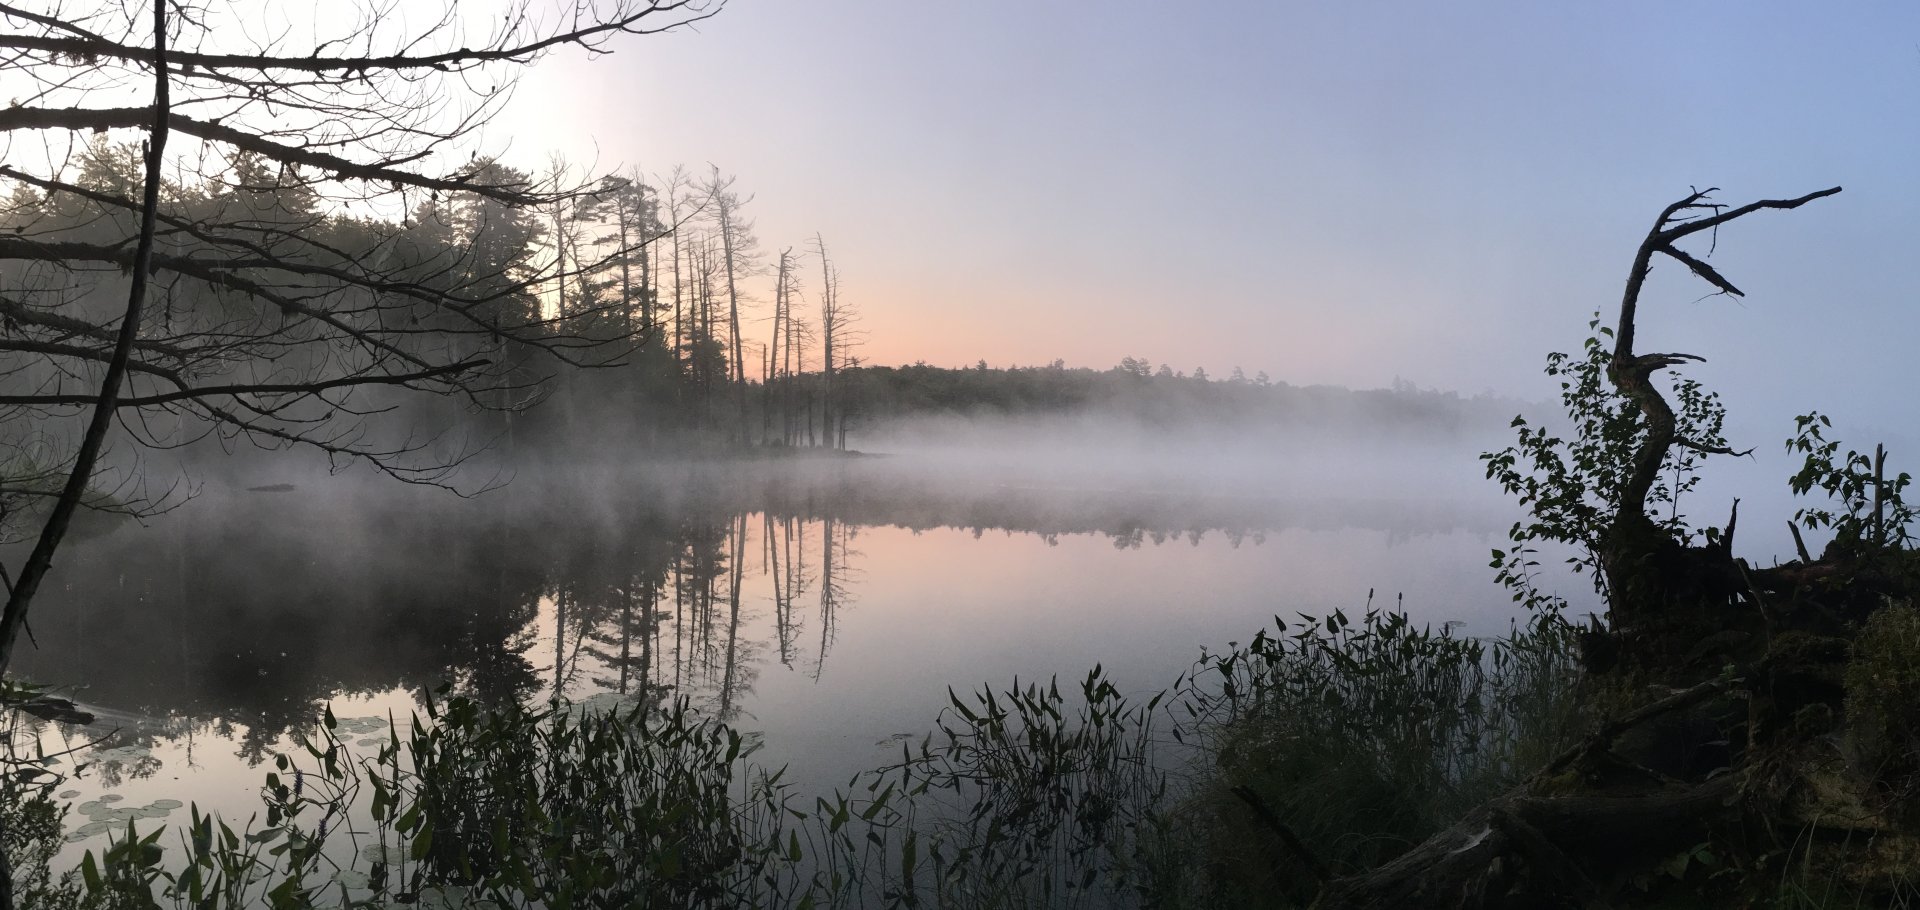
(824, 604)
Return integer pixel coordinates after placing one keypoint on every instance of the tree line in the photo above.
(643, 280)
(1134, 390)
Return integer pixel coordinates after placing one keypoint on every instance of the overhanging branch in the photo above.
(97, 119)
(640, 21)
(315, 387)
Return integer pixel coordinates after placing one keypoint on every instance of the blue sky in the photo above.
(1329, 192)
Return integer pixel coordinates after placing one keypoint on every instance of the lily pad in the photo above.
(111, 798)
(375, 853)
(69, 794)
(121, 753)
(361, 725)
(166, 804)
(443, 897)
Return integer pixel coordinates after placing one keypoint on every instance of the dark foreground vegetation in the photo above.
(1749, 728)
(1033, 795)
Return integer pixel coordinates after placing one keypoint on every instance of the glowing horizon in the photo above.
(1332, 195)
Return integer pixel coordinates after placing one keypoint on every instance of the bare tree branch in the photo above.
(26, 118)
(14, 618)
(649, 18)
(1633, 375)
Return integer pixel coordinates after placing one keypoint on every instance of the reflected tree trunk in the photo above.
(626, 638)
(782, 607)
(828, 596)
(728, 679)
(649, 629)
(559, 639)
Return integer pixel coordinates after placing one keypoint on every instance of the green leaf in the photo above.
(421, 844)
(90, 871)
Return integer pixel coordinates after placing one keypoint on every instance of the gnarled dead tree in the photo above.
(1581, 831)
(1639, 559)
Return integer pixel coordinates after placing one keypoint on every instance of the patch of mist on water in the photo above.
(1270, 461)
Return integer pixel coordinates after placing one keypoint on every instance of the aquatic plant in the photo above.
(1357, 736)
(1336, 743)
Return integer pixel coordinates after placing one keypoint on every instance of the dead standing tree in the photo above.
(1642, 562)
(738, 250)
(1608, 809)
(838, 336)
(278, 319)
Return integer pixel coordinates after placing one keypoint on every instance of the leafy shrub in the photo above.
(1871, 507)
(1572, 487)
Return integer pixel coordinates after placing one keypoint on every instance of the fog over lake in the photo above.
(823, 603)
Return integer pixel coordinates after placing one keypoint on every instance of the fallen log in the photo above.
(1520, 850)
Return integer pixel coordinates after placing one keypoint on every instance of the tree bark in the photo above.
(1634, 545)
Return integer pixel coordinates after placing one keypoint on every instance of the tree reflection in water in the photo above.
(239, 617)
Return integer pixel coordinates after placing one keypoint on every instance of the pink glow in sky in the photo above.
(1334, 193)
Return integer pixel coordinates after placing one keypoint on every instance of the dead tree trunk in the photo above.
(729, 248)
(1639, 558)
(829, 326)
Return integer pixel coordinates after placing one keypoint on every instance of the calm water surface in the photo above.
(827, 607)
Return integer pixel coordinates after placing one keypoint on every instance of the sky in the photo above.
(1332, 193)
